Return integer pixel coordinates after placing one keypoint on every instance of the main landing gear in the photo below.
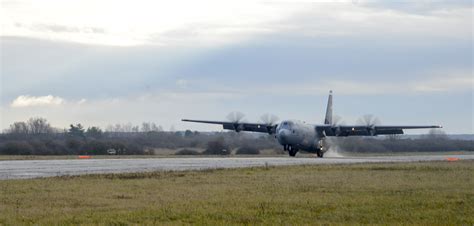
(320, 151)
(291, 150)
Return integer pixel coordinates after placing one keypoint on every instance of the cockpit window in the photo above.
(286, 124)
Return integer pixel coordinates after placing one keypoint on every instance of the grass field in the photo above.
(436, 193)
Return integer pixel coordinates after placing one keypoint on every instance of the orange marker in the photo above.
(452, 159)
(84, 157)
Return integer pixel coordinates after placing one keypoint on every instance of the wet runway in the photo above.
(22, 169)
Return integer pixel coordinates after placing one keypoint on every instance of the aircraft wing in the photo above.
(240, 126)
(357, 130)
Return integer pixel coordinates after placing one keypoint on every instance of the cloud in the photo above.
(448, 83)
(223, 22)
(60, 28)
(147, 22)
(419, 7)
(33, 101)
(362, 20)
(453, 83)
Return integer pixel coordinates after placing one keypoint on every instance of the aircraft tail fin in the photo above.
(328, 119)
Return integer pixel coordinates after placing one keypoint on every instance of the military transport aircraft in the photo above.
(297, 135)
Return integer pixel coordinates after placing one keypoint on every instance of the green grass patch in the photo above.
(398, 193)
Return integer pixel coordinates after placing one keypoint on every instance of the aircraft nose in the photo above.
(282, 135)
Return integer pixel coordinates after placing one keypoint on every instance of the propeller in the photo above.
(236, 117)
(370, 121)
(270, 120)
(336, 122)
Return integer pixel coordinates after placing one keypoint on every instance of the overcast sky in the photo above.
(106, 62)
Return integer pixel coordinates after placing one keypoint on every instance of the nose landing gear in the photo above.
(291, 150)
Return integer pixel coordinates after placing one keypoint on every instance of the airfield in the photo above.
(25, 169)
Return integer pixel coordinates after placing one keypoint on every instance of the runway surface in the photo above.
(23, 169)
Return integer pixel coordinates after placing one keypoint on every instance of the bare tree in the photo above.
(127, 127)
(156, 128)
(109, 128)
(19, 128)
(151, 127)
(117, 128)
(146, 127)
(39, 126)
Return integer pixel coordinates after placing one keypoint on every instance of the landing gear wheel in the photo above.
(292, 152)
(320, 154)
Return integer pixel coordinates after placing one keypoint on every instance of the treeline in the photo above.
(428, 143)
(35, 126)
(37, 137)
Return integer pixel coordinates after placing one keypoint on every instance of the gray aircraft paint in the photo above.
(295, 135)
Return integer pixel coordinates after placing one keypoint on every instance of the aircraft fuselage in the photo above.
(298, 135)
